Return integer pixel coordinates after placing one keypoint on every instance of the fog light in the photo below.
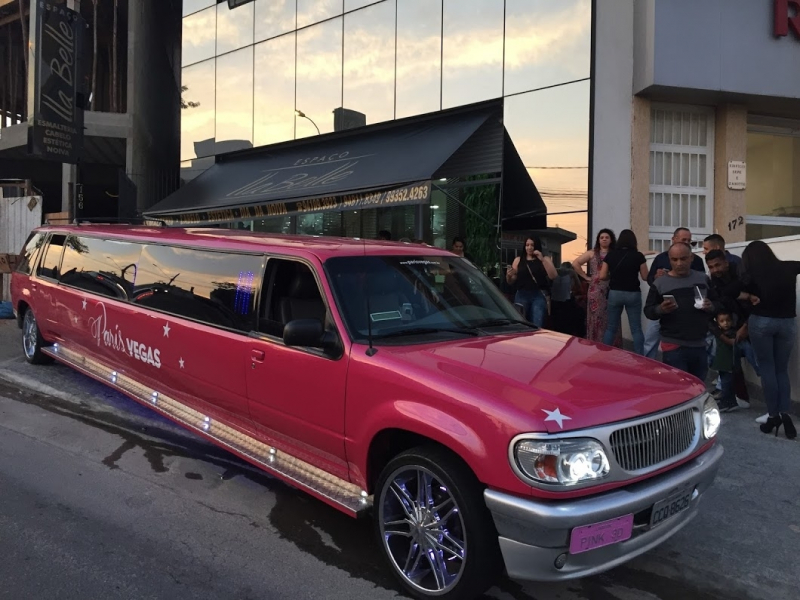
(560, 561)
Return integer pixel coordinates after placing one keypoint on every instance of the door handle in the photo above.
(257, 356)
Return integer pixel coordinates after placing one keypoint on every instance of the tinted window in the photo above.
(290, 292)
(30, 252)
(105, 267)
(52, 256)
(213, 287)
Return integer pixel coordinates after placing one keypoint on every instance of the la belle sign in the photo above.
(784, 20)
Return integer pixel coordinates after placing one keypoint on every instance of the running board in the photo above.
(339, 493)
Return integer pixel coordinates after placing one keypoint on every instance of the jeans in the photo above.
(632, 303)
(689, 359)
(726, 383)
(534, 305)
(652, 338)
(772, 340)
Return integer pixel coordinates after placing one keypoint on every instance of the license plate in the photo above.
(600, 534)
(669, 507)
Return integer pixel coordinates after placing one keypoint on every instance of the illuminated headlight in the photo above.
(711, 418)
(564, 462)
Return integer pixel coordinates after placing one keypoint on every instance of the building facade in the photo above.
(697, 118)
(270, 71)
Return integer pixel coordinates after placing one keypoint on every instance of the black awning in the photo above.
(379, 165)
(523, 207)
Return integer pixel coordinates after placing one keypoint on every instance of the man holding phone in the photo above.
(659, 268)
(679, 301)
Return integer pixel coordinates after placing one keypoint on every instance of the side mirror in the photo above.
(310, 333)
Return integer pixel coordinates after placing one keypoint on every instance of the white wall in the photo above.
(611, 182)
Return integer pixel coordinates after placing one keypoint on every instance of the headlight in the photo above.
(711, 418)
(564, 462)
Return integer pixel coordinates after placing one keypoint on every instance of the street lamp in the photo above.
(303, 115)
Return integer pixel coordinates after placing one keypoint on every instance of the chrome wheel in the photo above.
(422, 529)
(30, 335)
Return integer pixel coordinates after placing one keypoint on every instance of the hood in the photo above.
(563, 383)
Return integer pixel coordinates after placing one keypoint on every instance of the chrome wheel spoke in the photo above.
(413, 551)
(396, 528)
(438, 568)
(459, 549)
(406, 503)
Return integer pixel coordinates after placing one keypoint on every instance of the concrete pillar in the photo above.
(730, 144)
(69, 177)
(640, 171)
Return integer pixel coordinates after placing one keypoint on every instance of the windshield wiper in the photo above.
(498, 322)
(424, 330)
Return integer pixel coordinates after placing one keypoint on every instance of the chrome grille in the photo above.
(646, 444)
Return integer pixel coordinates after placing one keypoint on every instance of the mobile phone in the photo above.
(669, 297)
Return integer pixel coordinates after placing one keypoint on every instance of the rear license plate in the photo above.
(601, 534)
(669, 507)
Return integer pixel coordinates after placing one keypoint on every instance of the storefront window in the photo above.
(274, 18)
(773, 183)
(199, 36)
(319, 76)
(356, 4)
(547, 43)
(550, 129)
(198, 116)
(274, 91)
(314, 11)
(272, 225)
(369, 61)
(192, 6)
(234, 27)
(235, 97)
(472, 51)
(419, 48)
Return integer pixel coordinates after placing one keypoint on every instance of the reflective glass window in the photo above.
(199, 36)
(319, 76)
(52, 257)
(314, 11)
(356, 4)
(274, 90)
(550, 129)
(30, 252)
(192, 6)
(274, 17)
(369, 61)
(419, 51)
(472, 51)
(235, 98)
(192, 168)
(234, 27)
(197, 119)
(216, 288)
(546, 43)
(104, 267)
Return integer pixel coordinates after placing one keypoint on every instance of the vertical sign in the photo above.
(56, 131)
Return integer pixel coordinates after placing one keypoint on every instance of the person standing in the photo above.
(622, 267)
(597, 310)
(532, 274)
(679, 301)
(659, 267)
(771, 286)
(716, 242)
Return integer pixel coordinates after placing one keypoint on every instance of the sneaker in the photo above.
(762, 419)
(742, 403)
(723, 408)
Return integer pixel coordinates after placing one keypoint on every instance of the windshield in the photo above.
(417, 296)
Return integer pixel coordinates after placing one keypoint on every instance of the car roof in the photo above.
(323, 247)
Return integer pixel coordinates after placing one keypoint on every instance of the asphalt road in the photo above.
(99, 498)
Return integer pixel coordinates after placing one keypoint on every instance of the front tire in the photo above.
(433, 525)
(32, 340)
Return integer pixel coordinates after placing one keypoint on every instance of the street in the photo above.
(101, 498)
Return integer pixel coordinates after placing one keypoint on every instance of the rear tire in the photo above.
(433, 526)
(32, 340)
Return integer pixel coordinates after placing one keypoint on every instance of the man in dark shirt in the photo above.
(659, 268)
(716, 242)
(684, 319)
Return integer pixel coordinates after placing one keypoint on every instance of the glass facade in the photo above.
(388, 60)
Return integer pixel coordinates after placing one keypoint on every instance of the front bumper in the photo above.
(533, 533)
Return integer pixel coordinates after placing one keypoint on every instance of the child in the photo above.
(723, 360)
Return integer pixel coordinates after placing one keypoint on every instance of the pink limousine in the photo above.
(385, 379)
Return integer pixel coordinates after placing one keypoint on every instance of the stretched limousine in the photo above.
(386, 379)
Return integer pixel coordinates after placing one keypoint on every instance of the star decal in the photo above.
(555, 415)
(76, 319)
(166, 330)
(180, 362)
(84, 304)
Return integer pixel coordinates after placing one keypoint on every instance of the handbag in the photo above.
(546, 296)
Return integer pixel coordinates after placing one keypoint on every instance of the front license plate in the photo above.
(601, 534)
(669, 507)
